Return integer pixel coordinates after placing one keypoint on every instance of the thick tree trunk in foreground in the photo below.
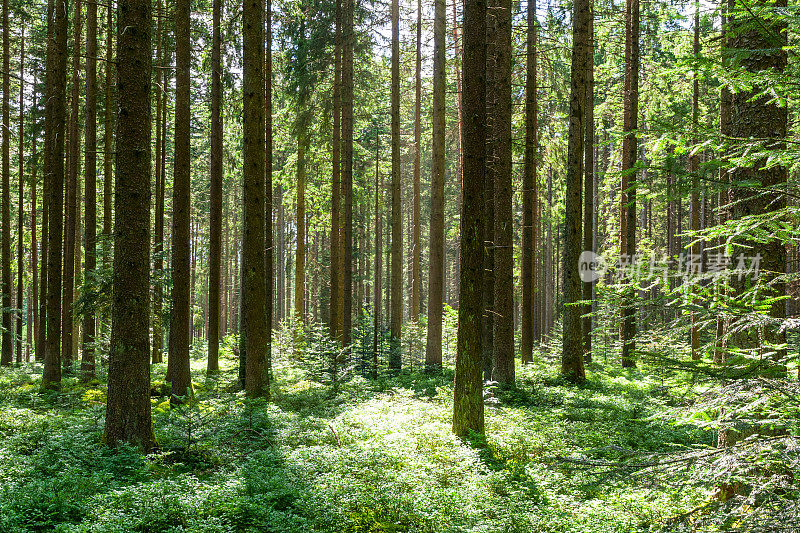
(336, 185)
(180, 317)
(254, 283)
(215, 204)
(468, 388)
(128, 405)
(433, 348)
(488, 189)
(572, 345)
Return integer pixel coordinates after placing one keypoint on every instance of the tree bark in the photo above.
(254, 283)
(433, 348)
(378, 256)
(572, 346)
(503, 370)
(588, 186)
(54, 163)
(629, 157)
(415, 209)
(215, 204)
(347, 169)
(396, 319)
(128, 406)
(7, 355)
(160, 168)
(468, 387)
(488, 189)
(20, 199)
(34, 265)
(90, 177)
(529, 211)
(336, 185)
(180, 317)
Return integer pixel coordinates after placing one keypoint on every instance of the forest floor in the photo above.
(375, 456)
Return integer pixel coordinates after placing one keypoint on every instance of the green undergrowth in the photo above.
(376, 456)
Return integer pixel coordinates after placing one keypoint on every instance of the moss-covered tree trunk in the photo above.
(128, 417)
(468, 387)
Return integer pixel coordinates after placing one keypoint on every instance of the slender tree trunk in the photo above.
(160, 167)
(694, 168)
(7, 355)
(433, 348)
(572, 349)
(180, 317)
(347, 169)
(54, 163)
(300, 255)
(503, 370)
(20, 198)
(629, 157)
(215, 205)
(588, 185)
(416, 223)
(34, 265)
(460, 152)
(108, 141)
(378, 256)
(528, 268)
(128, 406)
(396, 319)
(90, 177)
(254, 290)
(468, 388)
(336, 185)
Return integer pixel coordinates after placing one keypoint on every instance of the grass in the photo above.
(373, 457)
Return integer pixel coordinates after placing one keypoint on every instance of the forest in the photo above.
(401, 265)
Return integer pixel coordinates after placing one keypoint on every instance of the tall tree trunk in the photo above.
(215, 205)
(468, 387)
(378, 256)
(572, 348)
(503, 370)
(7, 355)
(416, 223)
(433, 348)
(160, 167)
(90, 177)
(347, 169)
(180, 317)
(254, 284)
(694, 169)
(281, 260)
(488, 188)
(723, 198)
(760, 48)
(588, 185)
(336, 185)
(20, 198)
(34, 265)
(300, 255)
(396, 318)
(128, 406)
(459, 148)
(269, 282)
(54, 163)
(629, 156)
(528, 268)
(68, 282)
